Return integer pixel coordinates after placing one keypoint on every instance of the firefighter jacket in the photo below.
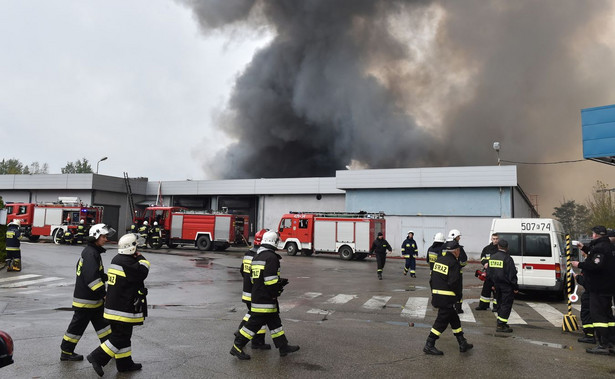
(380, 246)
(81, 230)
(599, 267)
(445, 281)
(409, 249)
(144, 231)
(502, 270)
(463, 257)
(154, 232)
(433, 253)
(13, 237)
(90, 283)
(266, 284)
(126, 289)
(487, 252)
(246, 266)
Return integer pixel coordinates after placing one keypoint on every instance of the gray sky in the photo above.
(132, 80)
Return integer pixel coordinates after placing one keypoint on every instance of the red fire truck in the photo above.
(205, 230)
(52, 219)
(348, 234)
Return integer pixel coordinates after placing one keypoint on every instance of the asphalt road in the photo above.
(348, 323)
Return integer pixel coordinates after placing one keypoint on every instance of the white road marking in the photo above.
(320, 311)
(285, 307)
(416, 307)
(311, 295)
(514, 318)
(577, 307)
(467, 315)
(29, 282)
(376, 302)
(341, 299)
(549, 313)
(20, 277)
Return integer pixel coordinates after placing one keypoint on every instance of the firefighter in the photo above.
(380, 247)
(266, 287)
(80, 232)
(13, 246)
(586, 319)
(486, 292)
(410, 252)
(446, 288)
(598, 271)
(502, 272)
(144, 232)
(68, 237)
(435, 249)
(134, 228)
(89, 294)
(125, 307)
(154, 236)
(455, 235)
(258, 342)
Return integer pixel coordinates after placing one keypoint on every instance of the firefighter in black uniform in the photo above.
(435, 249)
(503, 274)
(410, 252)
(380, 247)
(586, 319)
(455, 235)
(155, 235)
(68, 237)
(88, 298)
(258, 342)
(80, 232)
(266, 287)
(446, 289)
(486, 292)
(13, 246)
(599, 270)
(125, 307)
(144, 233)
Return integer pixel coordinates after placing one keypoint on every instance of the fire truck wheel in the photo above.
(346, 253)
(361, 256)
(203, 243)
(57, 236)
(33, 238)
(291, 249)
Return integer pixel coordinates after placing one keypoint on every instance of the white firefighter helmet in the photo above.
(127, 245)
(145, 223)
(438, 237)
(101, 229)
(15, 222)
(270, 238)
(454, 233)
(155, 223)
(81, 221)
(410, 231)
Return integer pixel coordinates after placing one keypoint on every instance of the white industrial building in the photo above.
(425, 200)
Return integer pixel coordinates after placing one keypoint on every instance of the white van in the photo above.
(538, 247)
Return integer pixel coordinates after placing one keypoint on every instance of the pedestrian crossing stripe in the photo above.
(419, 307)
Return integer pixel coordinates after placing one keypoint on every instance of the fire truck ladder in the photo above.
(344, 214)
(131, 202)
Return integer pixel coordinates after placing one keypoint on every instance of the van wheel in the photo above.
(346, 253)
(203, 243)
(291, 249)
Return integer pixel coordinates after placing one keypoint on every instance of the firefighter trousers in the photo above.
(381, 259)
(505, 296)
(259, 338)
(486, 294)
(602, 317)
(80, 321)
(255, 323)
(117, 346)
(13, 253)
(586, 318)
(446, 315)
(410, 265)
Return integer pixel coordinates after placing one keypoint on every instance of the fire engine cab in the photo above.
(52, 219)
(205, 230)
(348, 234)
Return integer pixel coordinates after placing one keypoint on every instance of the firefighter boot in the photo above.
(430, 347)
(16, 264)
(132, 367)
(9, 265)
(503, 328)
(587, 339)
(258, 343)
(239, 353)
(463, 343)
(287, 349)
(379, 275)
(70, 356)
(602, 347)
(95, 365)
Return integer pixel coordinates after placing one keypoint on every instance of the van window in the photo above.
(537, 245)
(514, 242)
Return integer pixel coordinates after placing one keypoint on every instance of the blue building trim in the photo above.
(598, 126)
(490, 202)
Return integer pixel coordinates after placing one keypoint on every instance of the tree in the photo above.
(12, 167)
(601, 206)
(80, 166)
(574, 217)
(36, 168)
